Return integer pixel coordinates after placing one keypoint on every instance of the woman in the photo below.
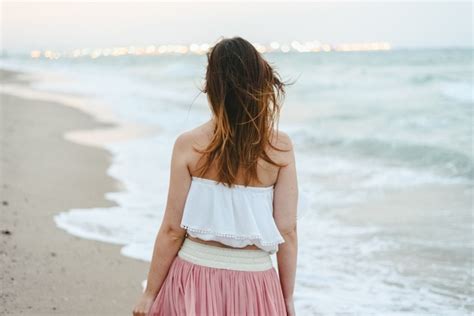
(232, 200)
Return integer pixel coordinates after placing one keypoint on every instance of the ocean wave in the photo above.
(448, 164)
(459, 91)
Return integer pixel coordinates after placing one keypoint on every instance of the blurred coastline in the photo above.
(384, 152)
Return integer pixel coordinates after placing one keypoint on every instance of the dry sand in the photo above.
(44, 270)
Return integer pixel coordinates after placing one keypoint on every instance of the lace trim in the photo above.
(232, 236)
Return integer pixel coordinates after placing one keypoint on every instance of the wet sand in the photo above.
(44, 270)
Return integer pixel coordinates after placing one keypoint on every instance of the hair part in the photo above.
(245, 94)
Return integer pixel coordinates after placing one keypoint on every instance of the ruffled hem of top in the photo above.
(234, 240)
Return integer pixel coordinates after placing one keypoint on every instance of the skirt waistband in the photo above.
(225, 258)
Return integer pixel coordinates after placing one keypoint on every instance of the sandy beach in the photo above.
(46, 271)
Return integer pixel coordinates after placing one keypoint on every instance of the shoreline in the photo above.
(50, 157)
(116, 129)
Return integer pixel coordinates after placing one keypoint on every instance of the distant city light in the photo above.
(203, 48)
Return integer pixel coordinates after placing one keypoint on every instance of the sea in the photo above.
(384, 150)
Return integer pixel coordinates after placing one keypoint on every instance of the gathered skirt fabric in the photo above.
(192, 289)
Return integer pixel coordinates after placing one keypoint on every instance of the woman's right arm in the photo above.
(285, 205)
(170, 236)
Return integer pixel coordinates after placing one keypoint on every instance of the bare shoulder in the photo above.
(281, 138)
(194, 137)
(283, 153)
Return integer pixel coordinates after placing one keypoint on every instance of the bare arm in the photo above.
(170, 235)
(285, 210)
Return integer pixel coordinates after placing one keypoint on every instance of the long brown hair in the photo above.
(245, 94)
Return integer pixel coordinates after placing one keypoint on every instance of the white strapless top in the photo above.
(237, 216)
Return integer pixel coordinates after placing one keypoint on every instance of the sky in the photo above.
(61, 25)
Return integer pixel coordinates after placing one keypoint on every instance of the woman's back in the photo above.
(232, 185)
(201, 136)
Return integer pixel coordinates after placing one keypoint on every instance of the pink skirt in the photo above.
(206, 280)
